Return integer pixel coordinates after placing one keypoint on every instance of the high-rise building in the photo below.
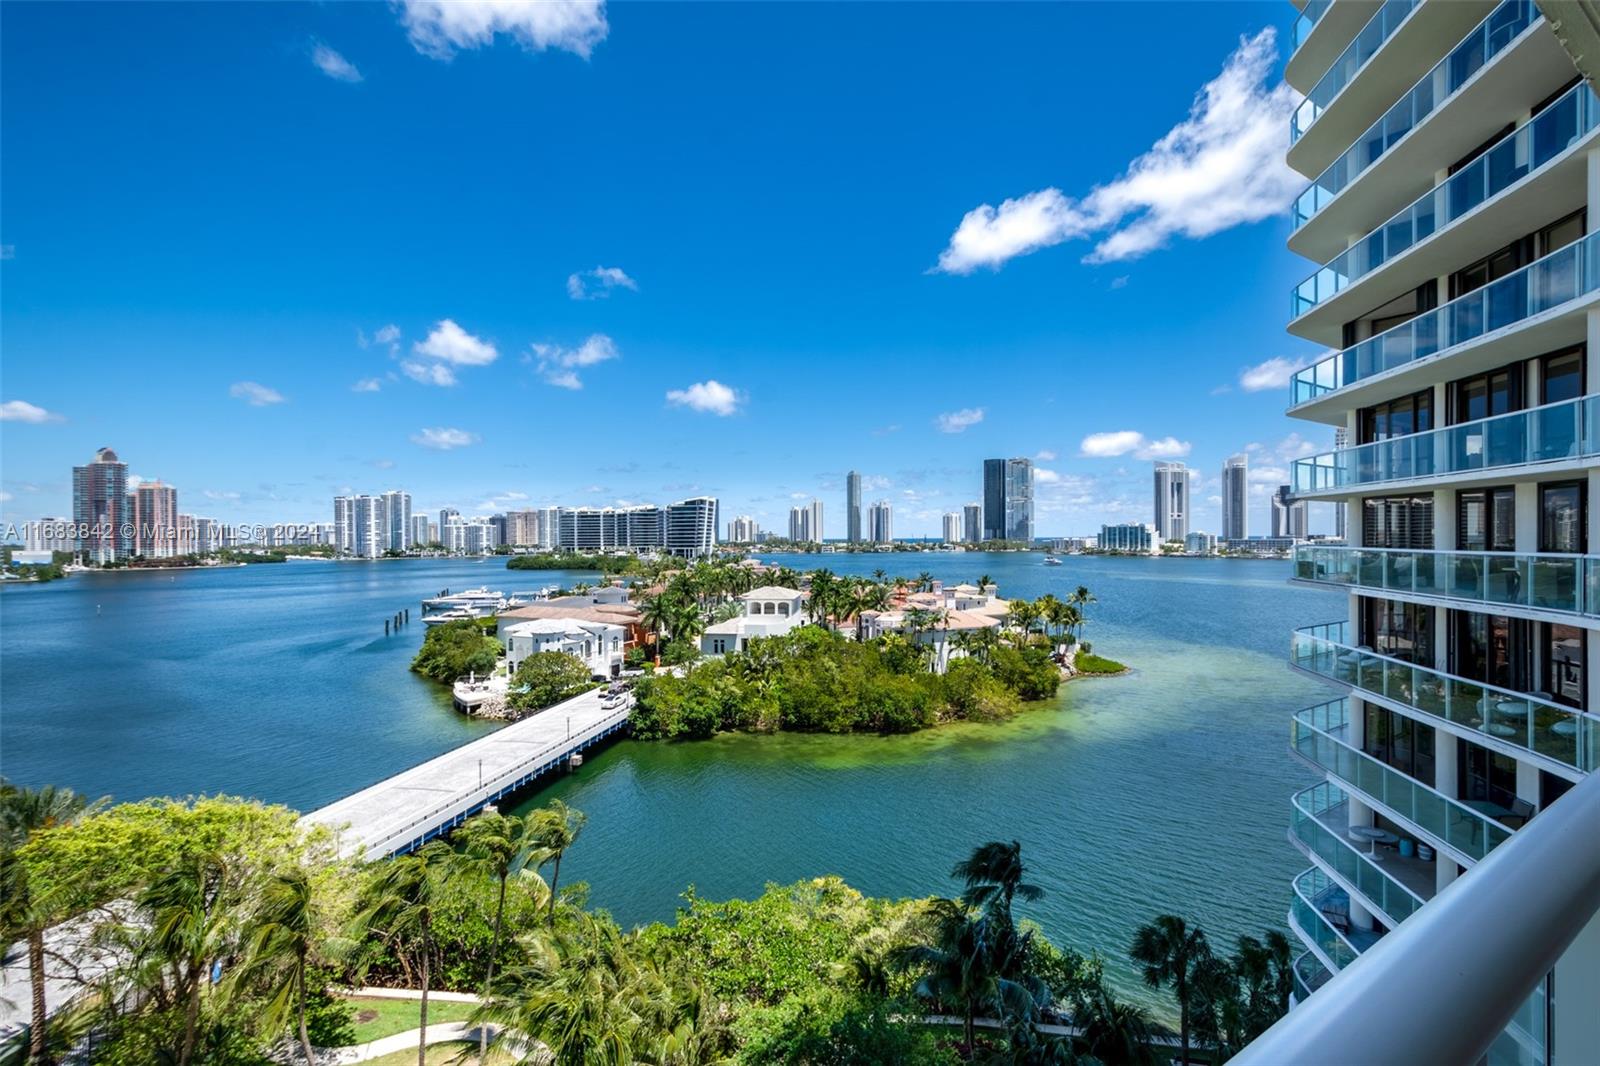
(1236, 497)
(1171, 501)
(372, 527)
(100, 508)
(972, 523)
(952, 527)
(549, 526)
(1289, 518)
(1008, 499)
(419, 531)
(154, 507)
(50, 535)
(344, 525)
(1136, 537)
(691, 527)
(397, 514)
(852, 507)
(805, 523)
(880, 523)
(447, 515)
(742, 530)
(1467, 349)
(797, 525)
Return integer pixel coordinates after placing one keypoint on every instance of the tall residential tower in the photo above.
(1236, 497)
(1008, 499)
(852, 507)
(1171, 501)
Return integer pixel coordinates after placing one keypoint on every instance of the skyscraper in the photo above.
(852, 507)
(419, 531)
(397, 513)
(1452, 264)
(797, 525)
(344, 525)
(100, 508)
(1008, 499)
(742, 530)
(691, 527)
(952, 527)
(972, 522)
(880, 523)
(1236, 497)
(1171, 501)
(1288, 515)
(372, 527)
(155, 520)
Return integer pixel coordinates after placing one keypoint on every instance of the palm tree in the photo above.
(1281, 958)
(954, 968)
(993, 876)
(187, 923)
(285, 934)
(984, 581)
(24, 813)
(656, 613)
(1081, 598)
(1168, 952)
(500, 846)
(880, 575)
(555, 827)
(1114, 1031)
(397, 905)
(1219, 1011)
(924, 582)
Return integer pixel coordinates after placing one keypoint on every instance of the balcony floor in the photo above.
(1420, 877)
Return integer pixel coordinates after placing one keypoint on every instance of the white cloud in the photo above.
(958, 421)
(443, 439)
(254, 394)
(333, 64)
(23, 411)
(1222, 166)
(450, 343)
(559, 366)
(1273, 373)
(389, 335)
(437, 28)
(711, 397)
(220, 494)
(6, 497)
(428, 373)
(597, 284)
(367, 385)
(1124, 441)
(1045, 455)
(1045, 477)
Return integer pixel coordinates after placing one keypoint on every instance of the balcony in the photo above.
(1569, 739)
(1368, 40)
(1308, 19)
(1320, 914)
(1309, 975)
(1563, 276)
(1320, 735)
(1393, 887)
(1486, 41)
(1519, 155)
(1515, 584)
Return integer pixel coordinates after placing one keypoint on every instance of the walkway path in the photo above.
(400, 813)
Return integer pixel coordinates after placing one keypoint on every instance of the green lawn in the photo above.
(447, 1054)
(1095, 664)
(384, 1017)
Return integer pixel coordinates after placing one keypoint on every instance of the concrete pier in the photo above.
(401, 813)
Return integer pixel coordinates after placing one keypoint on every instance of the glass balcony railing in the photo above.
(1486, 40)
(1371, 37)
(1309, 975)
(1533, 723)
(1569, 584)
(1565, 274)
(1557, 431)
(1307, 21)
(1316, 898)
(1520, 153)
(1319, 824)
(1320, 735)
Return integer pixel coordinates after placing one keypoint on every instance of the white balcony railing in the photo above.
(1550, 582)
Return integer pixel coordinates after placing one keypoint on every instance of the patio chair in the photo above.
(1521, 812)
(1337, 914)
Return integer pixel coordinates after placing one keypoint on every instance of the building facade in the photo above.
(1289, 515)
(1008, 499)
(371, 528)
(852, 507)
(1453, 274)
(952, 527)
(154, 507)
(100, 509)
(1171, 501)
(805, 523)
(742, 530)
(1199, 542)
(397, 516)
(880, 523)
(972, 523)
(1137, 537)
(691, 527)
(1236, 497)
(420, 531)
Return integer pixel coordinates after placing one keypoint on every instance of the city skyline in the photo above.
(324, 359)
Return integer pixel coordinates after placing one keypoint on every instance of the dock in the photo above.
(401, 813)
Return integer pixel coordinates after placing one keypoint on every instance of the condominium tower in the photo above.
(100, 509)
(1171, 501)
(880, 523)
(952, 527)
(1290, 516)
(1008, 499)
(1236, 497)
(972, 522)
(852, 507)
(1452, 153)
(154, 507)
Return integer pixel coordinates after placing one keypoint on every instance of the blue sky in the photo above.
(588, 254)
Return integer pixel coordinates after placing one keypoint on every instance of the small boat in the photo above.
(1051, 560)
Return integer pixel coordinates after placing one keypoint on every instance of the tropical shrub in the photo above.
(454, 649)
(548, 677)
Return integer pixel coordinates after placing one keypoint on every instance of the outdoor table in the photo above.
(1565, 728)
(1373, 836)
(1495, 729)
(1512, 708)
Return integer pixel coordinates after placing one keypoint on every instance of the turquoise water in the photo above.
(1166, 789)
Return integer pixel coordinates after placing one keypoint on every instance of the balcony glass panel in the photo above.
(1318, 902)
(1319, 818)
(1545, 434)
(1307, 21)
(1320, 735)
(1520, 153)
(1563, 275)
(1487, 40)
(1564, 583)
(1309, 975)
(1368, 40)
(1558, 733)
